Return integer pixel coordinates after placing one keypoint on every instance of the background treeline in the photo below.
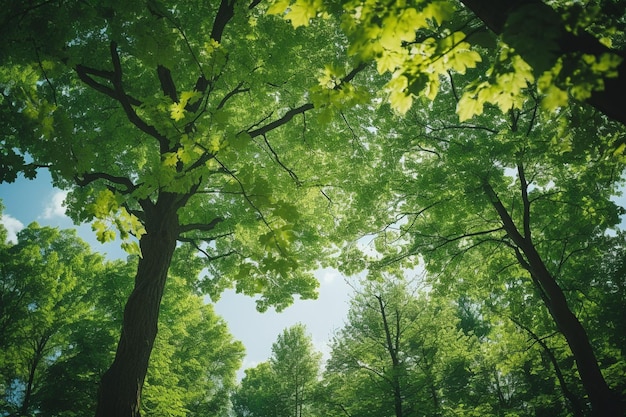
(60, 318)
(407, 348)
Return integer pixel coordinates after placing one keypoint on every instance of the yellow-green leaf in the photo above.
(468, 107)
(278, 7)
(554, 98)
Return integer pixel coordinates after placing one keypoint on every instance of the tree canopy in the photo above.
(228, 149)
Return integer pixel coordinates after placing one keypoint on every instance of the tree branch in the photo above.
(305, 107)
(225, 12)
(525, 201)
(201, 227)
(88, 178)
(279, 122)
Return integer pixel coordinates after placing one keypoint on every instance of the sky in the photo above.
(26, 201)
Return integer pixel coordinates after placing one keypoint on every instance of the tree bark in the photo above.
(120, 387)
(604, 402)
(495, 13)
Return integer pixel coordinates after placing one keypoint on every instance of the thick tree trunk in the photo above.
(604, 402)
(495, 13)
(120, 388)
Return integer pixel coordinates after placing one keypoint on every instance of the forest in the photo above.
(459, 162)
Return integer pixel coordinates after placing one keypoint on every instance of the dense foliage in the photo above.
(284, 385)
(61, 314)
(479, 140)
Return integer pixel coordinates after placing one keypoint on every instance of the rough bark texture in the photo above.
(120, 388)
(495, 13)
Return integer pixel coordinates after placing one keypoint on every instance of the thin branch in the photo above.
(462, 126)
(305, 107)
(453, 87)
(127, 105)
(291, 173)
(574, 401)
(231, 93)
(210, 258)
(282, 121)
(45, 74)
(246, 196)
(526, 202)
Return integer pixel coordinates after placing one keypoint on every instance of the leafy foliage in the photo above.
(61, 317)
(283, 386)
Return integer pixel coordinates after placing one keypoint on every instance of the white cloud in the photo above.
(55, 207)
(328, 276)
(12, 225)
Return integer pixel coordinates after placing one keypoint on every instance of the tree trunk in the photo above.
(120, 388)
(393, 354)
(604, 402)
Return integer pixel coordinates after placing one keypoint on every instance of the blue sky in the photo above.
(27, 201)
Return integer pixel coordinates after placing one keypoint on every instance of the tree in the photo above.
(61, 317)
(394, 353)
(44, 285)
(296, 365)
(510, 197)
(69, 385)
(193, 368)
(256, 395)
(284, 385)
(157, 116)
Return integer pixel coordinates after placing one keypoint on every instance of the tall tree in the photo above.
(392, 356)
(193, 369)
(257, 395)
(527, 196)
(157, 115)
(61, 317)
(296, 365)
(284, 385)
